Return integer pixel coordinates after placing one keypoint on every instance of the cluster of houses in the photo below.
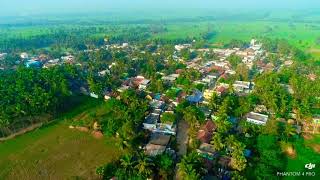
(42, 60)
(161, 130)
(138, 82)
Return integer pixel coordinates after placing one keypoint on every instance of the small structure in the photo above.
(104, 73)
(207, 151)
(242, 87)
(196, 97)
(33, 64)
(170, 78)
(24, 55)
(2, 55)
(157, 144)
(94, 95)
(256, 118)
(141, 82)
(151, 121)
(206, 131)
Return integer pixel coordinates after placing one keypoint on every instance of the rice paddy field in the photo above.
(56, 152)
(304, 35)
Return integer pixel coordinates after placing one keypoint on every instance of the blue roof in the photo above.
(247, 152)
(33, 64)
(196, 97)
(157, 96)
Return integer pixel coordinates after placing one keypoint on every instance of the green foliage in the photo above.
(165, 165)
(168, 117)
(234, 60)
(29, 92)
(271, 159)
(191, 167)
(124, 116)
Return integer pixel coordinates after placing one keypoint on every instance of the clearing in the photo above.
(56, 152)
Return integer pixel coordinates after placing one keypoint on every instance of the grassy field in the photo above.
(56, 152)
(305, 155)
(303, 35)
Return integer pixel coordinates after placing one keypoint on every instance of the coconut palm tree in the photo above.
(144, 165)
(217, 142)
(127, 164)
(191, 167)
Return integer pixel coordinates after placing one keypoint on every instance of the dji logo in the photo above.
(310, 166)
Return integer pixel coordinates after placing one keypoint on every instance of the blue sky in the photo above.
(20, 7)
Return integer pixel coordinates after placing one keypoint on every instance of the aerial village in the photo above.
(165, 132)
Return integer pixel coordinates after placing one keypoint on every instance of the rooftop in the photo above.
(258, 117)
(159, 139)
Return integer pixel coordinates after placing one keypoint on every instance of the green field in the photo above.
(302, 35)
(56, 152)
(305, 155)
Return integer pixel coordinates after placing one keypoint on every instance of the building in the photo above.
(2, 55)
(207, 151)
(33, 64)
(196, 97)
(141, 82)
(151, 121)
(242, 87)
(206, 131)
(166, 127)
(170, 78)
(24, 55)
(256, 118)
(157, 144)
(104, 73)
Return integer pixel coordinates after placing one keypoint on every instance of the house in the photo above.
(168, 79)
(157, 104)
(206, 151)
(180, 47)
(222, 88)
(256, 118)
(157, 144)
(32, 63)
(206, 131)
(242, 87)
(166, 127)
(209, 80)
(104, 72)
(151, 121)
(2, 55)
(141, 82)
(24, 55)
(94, 95)
(196, 97)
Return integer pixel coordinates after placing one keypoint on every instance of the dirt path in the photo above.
(22, 131)
(182, 137)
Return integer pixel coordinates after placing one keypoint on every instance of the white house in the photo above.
(256, 118)
(24, 55)
(242, 86)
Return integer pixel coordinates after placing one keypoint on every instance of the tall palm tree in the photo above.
(191, 167)
(217, 142)
(144, 165)
(127, 163)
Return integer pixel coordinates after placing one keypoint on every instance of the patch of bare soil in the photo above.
(307, 136)
(316, 147)
(291, 152)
